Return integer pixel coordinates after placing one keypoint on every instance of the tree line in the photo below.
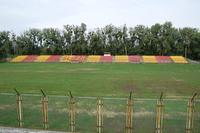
(159, 39)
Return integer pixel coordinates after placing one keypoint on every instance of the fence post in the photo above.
(19, 108)
(72, 113)
(99, 115)
(190, 114)
(129, 115)
(159, 114)
(44, 102)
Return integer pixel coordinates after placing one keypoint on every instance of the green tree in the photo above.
(186, 39)
(95, 43)
(5, 44)
(67, 38)
(140, 39)
(29, 42)
(79, 41)
(53, 42)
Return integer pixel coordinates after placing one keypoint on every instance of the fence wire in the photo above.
(114, 114)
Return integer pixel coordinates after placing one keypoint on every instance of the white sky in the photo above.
(20, 15)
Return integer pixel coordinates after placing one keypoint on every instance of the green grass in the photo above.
(110, 80)
(106, 80)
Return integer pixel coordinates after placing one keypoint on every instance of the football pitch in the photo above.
(106, 80)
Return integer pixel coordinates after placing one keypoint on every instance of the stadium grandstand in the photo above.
(93, 58)
(66, 58)
(100, 59)
(106, 59)
(42, 58)
(53, 58)
(163, 59)
(135, 59)
(178, 59)
(149, 59)
(30, 58)
(78, 58)
(121, 58)
(20, 58)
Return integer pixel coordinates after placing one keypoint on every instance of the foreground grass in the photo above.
(114, 111)
(110, 80)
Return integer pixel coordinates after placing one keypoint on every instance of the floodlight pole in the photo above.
(72, 112)
(190, 114)
(129, 115)
(19, 108)
(44, 102)
(99, 115)
(159, 114)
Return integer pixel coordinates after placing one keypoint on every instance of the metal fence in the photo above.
(101, 115)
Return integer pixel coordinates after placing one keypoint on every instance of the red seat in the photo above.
(163, 59)
(30, 58)
(53, 58)
(106, 59)
(78, 58)
(134, 59)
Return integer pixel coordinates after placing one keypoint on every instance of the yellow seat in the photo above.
(178, 59)
(121, 58)
(19, 58)
(149, 59)
(93, 58)
(42, 58)
(66, 58)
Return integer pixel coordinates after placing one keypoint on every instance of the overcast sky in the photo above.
(19, 15)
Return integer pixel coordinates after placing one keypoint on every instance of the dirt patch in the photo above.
(110, 114)
(2, 107)
(177, 80)
(175, 115)
(130, 86)
(68, 70)
(88, 69)
(143, 114)
(82, 70)
(24, 130)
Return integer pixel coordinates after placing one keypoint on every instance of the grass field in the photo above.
(107, 80)
(110, 80)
